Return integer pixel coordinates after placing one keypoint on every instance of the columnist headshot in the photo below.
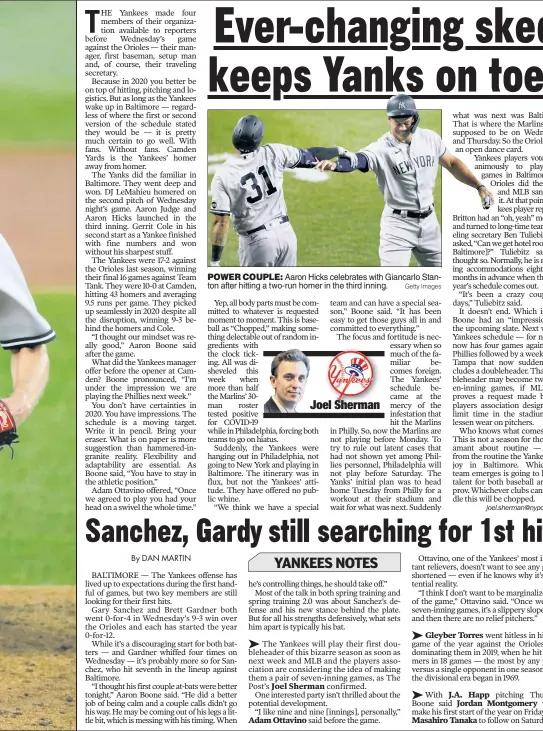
(289, 374)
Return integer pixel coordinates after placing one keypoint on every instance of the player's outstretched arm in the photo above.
(310, 156)
(461, 172)
(29, 373)
(219, 235)
(345, 163)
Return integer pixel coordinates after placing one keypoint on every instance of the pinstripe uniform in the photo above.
(21, 325)
(249, 188)
(406, 174)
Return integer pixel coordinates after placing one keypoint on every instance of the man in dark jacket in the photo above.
(289, 374)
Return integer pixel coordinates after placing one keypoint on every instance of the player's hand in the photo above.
(324, 165)
(487, 199)
(214, 264)
(351, 157)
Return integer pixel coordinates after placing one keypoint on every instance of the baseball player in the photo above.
(249, 189)
(24, 332)
(405, 164)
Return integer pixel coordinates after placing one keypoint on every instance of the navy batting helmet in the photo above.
(403, 105)
(248, 133)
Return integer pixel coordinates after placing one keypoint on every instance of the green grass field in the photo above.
(37, 72)
(336, 221)
(37, 487)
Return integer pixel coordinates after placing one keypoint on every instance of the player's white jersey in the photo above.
(406, 173)
(249, 187)
(21, 325)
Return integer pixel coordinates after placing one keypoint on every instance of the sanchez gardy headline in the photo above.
(298, 530)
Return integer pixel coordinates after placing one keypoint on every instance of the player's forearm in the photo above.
(323, 153)
(343, 164)
(461, 172)
(311, 155)
(30, 373)
(219, 236)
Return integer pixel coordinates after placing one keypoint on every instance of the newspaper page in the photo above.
(310, 366)
(38, 365)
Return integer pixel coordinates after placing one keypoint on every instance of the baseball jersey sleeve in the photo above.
(440, 145)
(285, 156)
(372, 154)
(21, 325)
(220, 201)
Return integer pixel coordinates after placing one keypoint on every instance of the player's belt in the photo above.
(413, 214)
(270, 224)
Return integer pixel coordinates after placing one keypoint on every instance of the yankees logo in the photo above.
(350, 373)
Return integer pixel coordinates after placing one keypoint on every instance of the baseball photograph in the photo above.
(37, 367)
(276, 198)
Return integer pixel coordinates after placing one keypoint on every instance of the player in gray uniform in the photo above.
(405, 163)
(24, 332)
(249, 189)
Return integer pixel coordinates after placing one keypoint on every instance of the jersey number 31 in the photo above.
(251, 179)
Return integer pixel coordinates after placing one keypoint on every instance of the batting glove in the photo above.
(351, 157)
(487, 199)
